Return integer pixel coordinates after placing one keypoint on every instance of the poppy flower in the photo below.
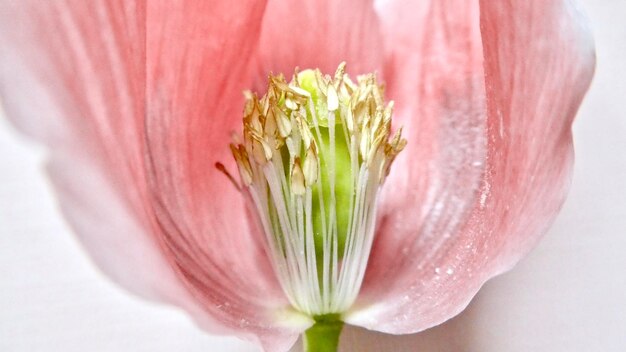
(137, 102)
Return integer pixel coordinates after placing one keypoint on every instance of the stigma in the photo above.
(314, 154)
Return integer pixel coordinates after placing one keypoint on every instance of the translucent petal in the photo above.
(494, 176)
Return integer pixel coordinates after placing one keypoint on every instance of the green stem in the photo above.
(323, 336)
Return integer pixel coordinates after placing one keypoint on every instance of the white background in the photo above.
(568, 295)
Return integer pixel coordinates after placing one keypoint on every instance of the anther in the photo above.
(297, 179)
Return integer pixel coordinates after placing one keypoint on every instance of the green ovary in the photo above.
(343, 192)
(343, 185)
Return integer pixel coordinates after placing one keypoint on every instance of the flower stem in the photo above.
(323, 336)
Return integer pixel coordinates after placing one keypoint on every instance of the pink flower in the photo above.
(137, 99)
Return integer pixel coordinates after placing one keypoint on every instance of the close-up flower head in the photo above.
(281, 169)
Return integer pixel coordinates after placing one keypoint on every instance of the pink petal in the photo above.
(319, 34)
(434, 73)
(195, 84)
(53, 91)
(133, 163)
(538, 62)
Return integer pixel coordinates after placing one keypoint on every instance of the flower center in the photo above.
(315, 152)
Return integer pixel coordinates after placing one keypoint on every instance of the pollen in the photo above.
(315, 153)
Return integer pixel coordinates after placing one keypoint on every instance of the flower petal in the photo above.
(194, 92)
(538, 62)
(434, 73)
(57, 86)
(319, 34)
(135, 100)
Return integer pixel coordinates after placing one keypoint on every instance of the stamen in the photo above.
(314, 155)
(223, 170)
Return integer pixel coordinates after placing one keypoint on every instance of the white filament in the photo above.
(288, 225)
(282, 150)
